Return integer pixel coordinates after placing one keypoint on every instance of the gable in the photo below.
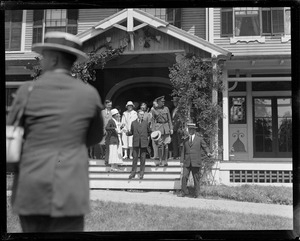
(145, 33)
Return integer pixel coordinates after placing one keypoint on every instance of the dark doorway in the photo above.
(142, 93)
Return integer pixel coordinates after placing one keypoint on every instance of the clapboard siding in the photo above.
(194, 21)
(89, 17)
(28, 30)
(272, 45)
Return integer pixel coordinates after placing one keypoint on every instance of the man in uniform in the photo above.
(161, 121)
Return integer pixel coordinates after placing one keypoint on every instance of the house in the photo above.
(252, 43)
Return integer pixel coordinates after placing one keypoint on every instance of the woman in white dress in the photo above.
(114, 131)
(128, 117)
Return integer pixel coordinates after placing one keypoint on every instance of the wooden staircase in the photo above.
(155, 178)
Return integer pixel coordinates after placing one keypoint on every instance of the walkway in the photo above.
(168, 199)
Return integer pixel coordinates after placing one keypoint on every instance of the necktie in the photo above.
(191, 140)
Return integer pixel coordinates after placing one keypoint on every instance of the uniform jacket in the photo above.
(140, 132)
(62, 118)
(112, 135)
(192, 155)
(161, 120)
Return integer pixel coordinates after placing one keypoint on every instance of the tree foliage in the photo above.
(192, 81)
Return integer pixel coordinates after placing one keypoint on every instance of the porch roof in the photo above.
(147, 19)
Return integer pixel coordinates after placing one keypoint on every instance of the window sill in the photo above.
(247, 39)
(285, 39)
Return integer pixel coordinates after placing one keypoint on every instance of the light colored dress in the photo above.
(127, 118)
(115, 151)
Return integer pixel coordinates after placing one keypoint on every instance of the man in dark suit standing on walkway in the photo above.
(140, 130)
(191, 158)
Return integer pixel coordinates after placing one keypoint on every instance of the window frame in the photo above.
(274, 115)
(261, 34)
(42, 27)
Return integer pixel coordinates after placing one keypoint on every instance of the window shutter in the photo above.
(177, 20)
(266, 22)
(226, 22)
(278, 21)
(72, 16)
(38, 16)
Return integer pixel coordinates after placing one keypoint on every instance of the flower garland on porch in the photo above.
(86, 70)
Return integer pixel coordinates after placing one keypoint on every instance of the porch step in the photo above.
(155, 177)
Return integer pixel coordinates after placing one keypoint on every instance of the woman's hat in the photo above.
(130, 103)
(64, 42)
(191, 125)
(114, 111)
(155, 135)
(161, 98)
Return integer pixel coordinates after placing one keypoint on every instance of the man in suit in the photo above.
(106, 114)
(62, 118)
(140, 130)
(194, 148)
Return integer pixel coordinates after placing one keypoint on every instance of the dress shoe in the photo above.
(130, 157)
(131, 176)
(181, 194)
(141, 176)
(196, 196)
(166, 164)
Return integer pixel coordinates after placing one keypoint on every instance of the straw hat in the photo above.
(155, 135)
(130, 103)
(191, 125)
(114, 111)
(64, 42)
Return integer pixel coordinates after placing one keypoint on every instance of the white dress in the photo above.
(127, 118)
(115, 151)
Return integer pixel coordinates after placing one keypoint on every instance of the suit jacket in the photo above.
(140, 132)
(192, 155)
(112, 135)
(62, 118)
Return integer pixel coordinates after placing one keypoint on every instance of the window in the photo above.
(157, 12)
(64, 20)
(13, 30)
(272, 127)
(254, 21)
(174, 16)
(171, 15)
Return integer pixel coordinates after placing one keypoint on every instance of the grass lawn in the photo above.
(111, 216)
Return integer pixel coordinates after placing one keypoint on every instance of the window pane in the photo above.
(263, 135)
(284, 108)
(287, 29)
(56, 17)
(278, 21)
(284, 124)
(247, 22)
(262, 107)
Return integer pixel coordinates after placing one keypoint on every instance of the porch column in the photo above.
(225, 118)
(215, 146)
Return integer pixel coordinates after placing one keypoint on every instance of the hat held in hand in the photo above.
(155, 135)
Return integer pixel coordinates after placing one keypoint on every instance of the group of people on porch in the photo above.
(140, 132)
